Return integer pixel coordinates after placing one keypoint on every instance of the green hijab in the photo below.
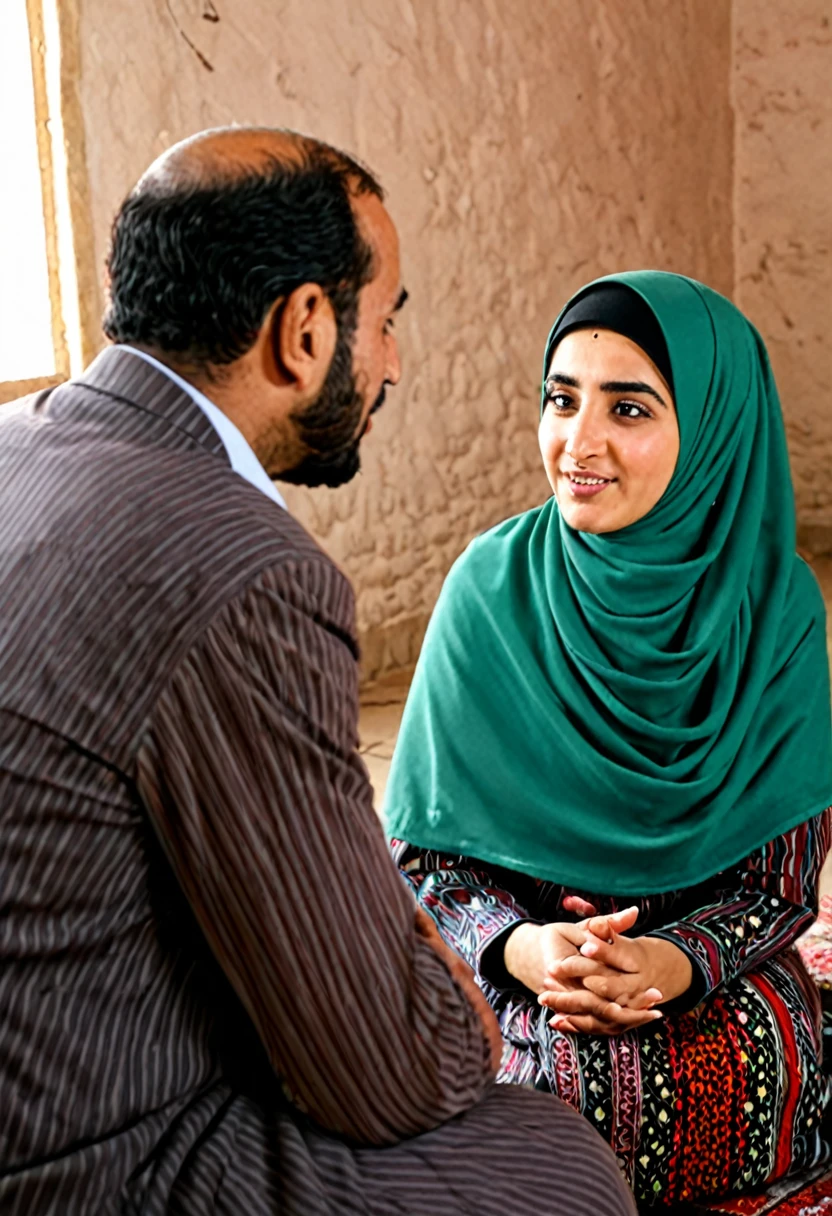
(633, 712)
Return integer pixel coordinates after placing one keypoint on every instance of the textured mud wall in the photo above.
(783, 98)
(526, 148)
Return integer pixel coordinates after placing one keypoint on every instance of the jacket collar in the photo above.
(125, 377)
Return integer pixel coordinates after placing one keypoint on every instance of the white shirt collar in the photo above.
(240, 455)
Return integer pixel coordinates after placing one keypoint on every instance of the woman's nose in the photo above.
(585, 437)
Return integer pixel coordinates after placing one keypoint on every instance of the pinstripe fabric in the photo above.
(212, 994)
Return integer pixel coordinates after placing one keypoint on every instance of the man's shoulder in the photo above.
(20, 405)
(119, 544)
(138, 488)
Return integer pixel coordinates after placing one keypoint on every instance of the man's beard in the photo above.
(327, 428)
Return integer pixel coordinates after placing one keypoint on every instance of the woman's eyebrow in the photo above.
(631, 386)
(562, 378)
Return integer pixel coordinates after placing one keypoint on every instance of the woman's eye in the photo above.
(561, 401)
(629, 409)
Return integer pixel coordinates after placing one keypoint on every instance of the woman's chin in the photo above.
(595, 527)
(587, 517)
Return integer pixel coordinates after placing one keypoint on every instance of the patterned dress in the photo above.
(724, 1093)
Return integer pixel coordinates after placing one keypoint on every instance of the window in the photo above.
(33, 347)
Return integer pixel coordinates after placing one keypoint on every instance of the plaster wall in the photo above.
(526, 148)
(782, 72)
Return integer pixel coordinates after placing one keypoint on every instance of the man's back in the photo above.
(122, 533)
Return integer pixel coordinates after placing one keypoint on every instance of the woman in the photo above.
(611, 781)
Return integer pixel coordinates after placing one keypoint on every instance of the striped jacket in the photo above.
(210, 982)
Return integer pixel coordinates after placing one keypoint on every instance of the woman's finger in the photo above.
(564, 1024)
(646, 999)
(620, 955)
(582, 1001)
(581, 907)
(587, 1024)
(550, 985)
(607, 926)
(618, 986)
(553, 984)
(574, 934)
(624, 990)
(576, 966)
(576, 971)
(623, 987)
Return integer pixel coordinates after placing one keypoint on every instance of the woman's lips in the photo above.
(587, 487)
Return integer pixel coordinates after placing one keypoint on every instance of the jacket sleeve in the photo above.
(249, 773)
(476, 908)
(757, 910)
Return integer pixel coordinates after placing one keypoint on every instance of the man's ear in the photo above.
(303, 337)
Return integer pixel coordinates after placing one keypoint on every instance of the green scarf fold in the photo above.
(633, 712)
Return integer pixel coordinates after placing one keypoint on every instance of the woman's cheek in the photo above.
(649, 462)
(549, 440)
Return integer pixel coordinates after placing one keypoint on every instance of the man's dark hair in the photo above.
(194, 267)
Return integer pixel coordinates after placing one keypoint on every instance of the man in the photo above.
(216, 995)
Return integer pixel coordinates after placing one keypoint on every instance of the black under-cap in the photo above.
(617, 307)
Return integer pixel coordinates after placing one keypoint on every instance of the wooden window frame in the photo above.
(69, 241)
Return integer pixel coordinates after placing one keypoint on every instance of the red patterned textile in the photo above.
(810, 1194)
(784, 1199)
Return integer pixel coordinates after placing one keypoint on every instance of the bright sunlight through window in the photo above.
(26, 343)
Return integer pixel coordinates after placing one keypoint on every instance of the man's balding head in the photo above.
(226, 154)
(221, 226)
(240, 259)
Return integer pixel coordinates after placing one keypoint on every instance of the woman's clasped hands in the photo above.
(593, 979)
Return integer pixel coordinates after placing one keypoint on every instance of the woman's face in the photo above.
(609, 435)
